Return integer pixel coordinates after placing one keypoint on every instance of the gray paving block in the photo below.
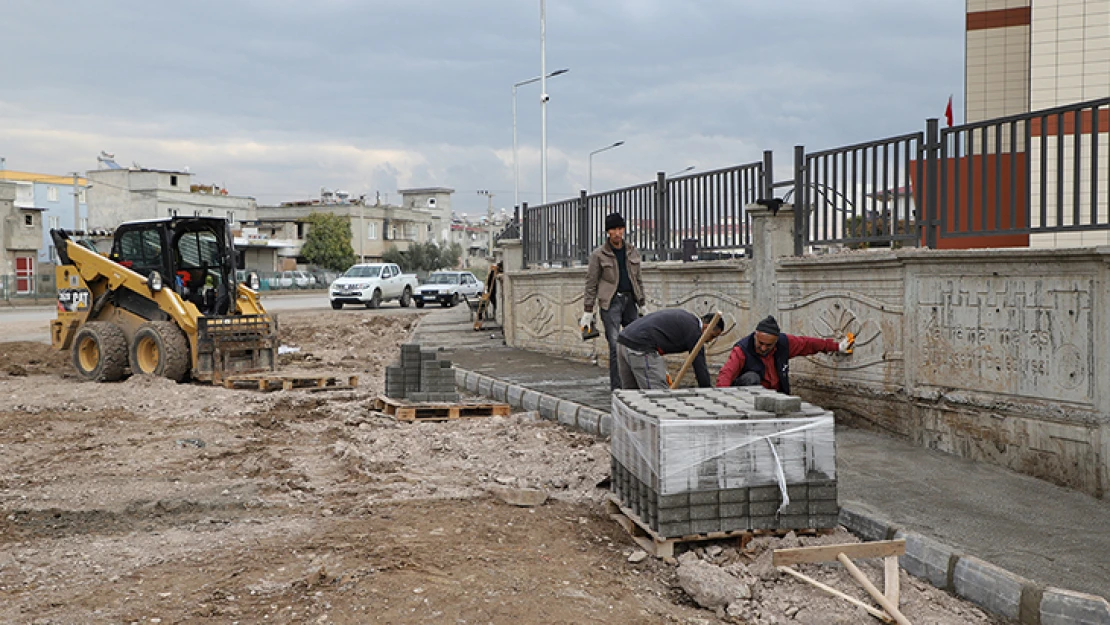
(680, 500)
(764, 508)
(568, 414)
(764, 493)
(794, 521)
(730, 510)
(701, 513)
(704, 498)
(992, 588)
(671, 515)
(926, 558)
(823, 521)
(674, 530)
(705, 526)
(733, 495)
(1065, 607)
(764, 523)
(823, 507)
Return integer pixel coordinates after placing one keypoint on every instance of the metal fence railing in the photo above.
(1006, 182)
(35, 288)
(707, 208)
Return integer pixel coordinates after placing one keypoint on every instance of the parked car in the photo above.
(371, 284)
(301, 279)
(448, 288)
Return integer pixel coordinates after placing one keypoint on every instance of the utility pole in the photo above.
(489, 221)
(76, 202)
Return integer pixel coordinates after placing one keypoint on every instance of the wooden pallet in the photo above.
(286, 382)
(438, 411)
(661, 547)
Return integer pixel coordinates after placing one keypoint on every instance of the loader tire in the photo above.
(100, 352)
(160, 348)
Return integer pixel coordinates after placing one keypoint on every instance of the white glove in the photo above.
(846, 344)
(587, 318)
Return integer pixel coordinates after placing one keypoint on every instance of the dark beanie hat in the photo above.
(613, 220)
(768, 326)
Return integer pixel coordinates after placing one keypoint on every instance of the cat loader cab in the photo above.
(164, 301)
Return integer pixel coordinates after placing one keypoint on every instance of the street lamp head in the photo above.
(557, 72)
(618, 143)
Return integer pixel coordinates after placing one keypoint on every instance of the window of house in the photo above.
(81, 196)
(55, 222)
(410, 231)
(372, 231)
(28, 219)
(173, 181)
(52, 194)
(84, 224)
(393, 232)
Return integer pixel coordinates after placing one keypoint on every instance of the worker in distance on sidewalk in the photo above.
(763, 357)
(643, 343)
(613, 279)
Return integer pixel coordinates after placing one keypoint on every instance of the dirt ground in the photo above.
(146, 501)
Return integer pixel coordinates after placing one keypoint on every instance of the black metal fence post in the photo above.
(525, 233)
(583, 251)
(932, 147)
(801, 201)
(661, 214)
(768, 190)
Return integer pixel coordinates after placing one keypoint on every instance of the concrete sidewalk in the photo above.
(964, 515)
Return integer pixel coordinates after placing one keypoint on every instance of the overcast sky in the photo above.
(275, 98)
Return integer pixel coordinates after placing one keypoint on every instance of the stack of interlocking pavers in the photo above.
(421, 376)
(696, 461)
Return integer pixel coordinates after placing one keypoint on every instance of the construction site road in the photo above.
(146, 501)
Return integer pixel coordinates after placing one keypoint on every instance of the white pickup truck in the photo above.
(371, 284)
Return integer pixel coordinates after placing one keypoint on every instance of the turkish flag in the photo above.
(948, 112)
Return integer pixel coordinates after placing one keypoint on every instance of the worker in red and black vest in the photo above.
(763, 357)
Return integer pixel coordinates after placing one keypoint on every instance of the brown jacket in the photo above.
(602, 276)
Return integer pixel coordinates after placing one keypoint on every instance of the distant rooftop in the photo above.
(426, 190)
(25, 176)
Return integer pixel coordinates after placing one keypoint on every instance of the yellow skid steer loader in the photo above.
(164, 302)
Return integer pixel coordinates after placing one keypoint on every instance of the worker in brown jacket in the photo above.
(613, 280)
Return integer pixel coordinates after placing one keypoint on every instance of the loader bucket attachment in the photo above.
(235, 345)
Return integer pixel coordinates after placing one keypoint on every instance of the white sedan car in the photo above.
(448, 288)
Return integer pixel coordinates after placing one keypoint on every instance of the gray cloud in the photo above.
(276, 99)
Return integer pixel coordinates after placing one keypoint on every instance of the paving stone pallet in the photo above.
(285, 382)
(439, 411)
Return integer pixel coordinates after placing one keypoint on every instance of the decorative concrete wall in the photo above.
(995, 355)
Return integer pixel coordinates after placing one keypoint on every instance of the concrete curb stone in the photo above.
(994, 589)
(568, 414)
(866, 527)
(515, 396)
(472, 381)
(500, 390)
(549, 407)
(927, 559)
(531, 400)
(589, 419)
(485, 386)
(1065, 607)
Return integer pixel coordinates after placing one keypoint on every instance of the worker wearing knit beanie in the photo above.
(763, 357)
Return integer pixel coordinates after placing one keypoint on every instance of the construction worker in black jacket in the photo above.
(642, 345)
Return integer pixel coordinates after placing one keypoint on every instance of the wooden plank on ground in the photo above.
(829, 553)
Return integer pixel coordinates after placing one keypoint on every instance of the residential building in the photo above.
(272, 240)
(20, 238)
(54, 197)
(436, 202)
(117, 195)
(1030, 55)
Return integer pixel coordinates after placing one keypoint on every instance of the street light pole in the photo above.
(489, 221)
(543, 100)
(516, 166)
(590, 181)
